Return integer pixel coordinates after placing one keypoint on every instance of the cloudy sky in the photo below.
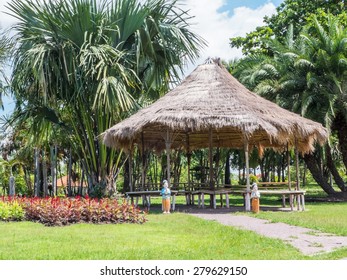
(215, 20)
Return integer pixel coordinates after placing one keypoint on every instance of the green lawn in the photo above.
(326, 217)
(175, 236)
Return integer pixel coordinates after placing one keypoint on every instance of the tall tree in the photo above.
(288, 13)
(5, 50)
(85, 62)
(307, 75)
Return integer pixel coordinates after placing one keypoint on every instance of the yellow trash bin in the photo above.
(255, 205)
(255, 195)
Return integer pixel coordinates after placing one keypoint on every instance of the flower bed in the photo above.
(55, 211)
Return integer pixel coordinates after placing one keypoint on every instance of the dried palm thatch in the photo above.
(210, 99)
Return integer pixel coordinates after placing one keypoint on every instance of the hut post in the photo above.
(189, 156)
(168, 148)
(288, 168)
(143, 162)
(210, 151)
(130, 162)
(248, 187)
(297, 165)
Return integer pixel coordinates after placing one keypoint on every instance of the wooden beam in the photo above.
(248, 186)
(297, 167)
(168, 147)
(210, 151)
(143, 162)
(288, 168)
(130, 162)
(189, 156)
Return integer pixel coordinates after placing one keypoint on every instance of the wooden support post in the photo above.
(130, 162)
(303, 202)
(288, 168)
(143, 161)
(283, 200)
(189, 156)
(213, 196)
(297, 166)
(248, 187)
(173, 203)
(227, 203)
(210, 151)
(168, 147)
(291, 202)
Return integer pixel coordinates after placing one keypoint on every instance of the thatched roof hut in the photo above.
(210, 108)
(211, 99)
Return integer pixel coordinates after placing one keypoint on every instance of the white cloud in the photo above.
(5, 19)
(217, 27)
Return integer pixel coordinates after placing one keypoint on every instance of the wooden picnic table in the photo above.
(146, 197)
(274, 189)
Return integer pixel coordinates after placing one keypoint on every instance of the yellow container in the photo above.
(255, 205)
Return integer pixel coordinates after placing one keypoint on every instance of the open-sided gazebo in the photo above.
(210, 108)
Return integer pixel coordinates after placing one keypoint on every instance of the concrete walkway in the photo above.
(308, 241)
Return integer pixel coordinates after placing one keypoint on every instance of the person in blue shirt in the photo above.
(165, 194)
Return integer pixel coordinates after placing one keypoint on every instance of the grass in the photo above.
(176, 236)
(326, 217)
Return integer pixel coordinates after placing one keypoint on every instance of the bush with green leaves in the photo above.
(11, 210)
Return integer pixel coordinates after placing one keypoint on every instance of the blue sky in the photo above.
(215, 20)
(252, 4)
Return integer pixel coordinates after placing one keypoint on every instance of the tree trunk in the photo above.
(54, 149)
(44, 175)
(28, 181)
(331, 165)
(340, 126)
(126, 176)
(37, 177)
(69, 172)
(313, 166)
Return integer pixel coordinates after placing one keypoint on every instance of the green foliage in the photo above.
(294, 13)
(253, 42)
(80, 66)
(11, 210)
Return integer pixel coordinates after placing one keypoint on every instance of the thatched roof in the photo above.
(210, 98)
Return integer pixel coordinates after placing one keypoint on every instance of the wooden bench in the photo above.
(146, 197)
(265, 188)
(282, 189)
(298, 195)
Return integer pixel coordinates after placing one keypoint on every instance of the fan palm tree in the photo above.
(5, 49)
(88, 61)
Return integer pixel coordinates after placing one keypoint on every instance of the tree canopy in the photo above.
(81, 65)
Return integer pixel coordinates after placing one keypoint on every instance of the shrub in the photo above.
(11, 210)
(64, 211)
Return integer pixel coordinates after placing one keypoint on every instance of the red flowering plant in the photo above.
(55, 211)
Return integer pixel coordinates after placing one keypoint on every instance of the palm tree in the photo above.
(87, 62)
(307, 76)
(5, 49)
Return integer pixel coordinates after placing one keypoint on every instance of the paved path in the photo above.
(308, 241)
